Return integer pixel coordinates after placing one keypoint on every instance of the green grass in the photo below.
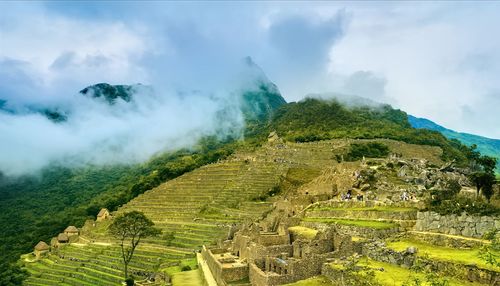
(463, 256)
(175, 269)
(349, 222)
(303, 232)
(187, 278)
(369, 209)
(396, 276)
(314, 281)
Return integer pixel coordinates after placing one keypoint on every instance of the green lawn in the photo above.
(396, 276)
(351, 222)
(464, 256)
(303, 232)
(315, 281)
(370, 209)
(187, 278)
(191, 262)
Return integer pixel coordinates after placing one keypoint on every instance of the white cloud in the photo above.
(59, 48)
(439, 61)
(433, 59)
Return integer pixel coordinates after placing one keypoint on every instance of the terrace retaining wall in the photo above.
(464, 225)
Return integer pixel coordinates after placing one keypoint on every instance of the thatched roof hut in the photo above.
(41, 246)
(63, 238)
(71, 230)
(103, 214)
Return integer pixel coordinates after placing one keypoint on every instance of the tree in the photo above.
(488, 163)
(129, 228)
(485, 179)
(488, 189)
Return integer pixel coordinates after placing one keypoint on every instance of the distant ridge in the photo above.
(486, 146)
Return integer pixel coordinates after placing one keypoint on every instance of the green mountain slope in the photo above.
(486, 146)
(315, 119)
(35, 208)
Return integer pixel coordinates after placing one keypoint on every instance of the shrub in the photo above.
(130, 281)
(169, 236)
(458, 205)
(186, 268)
(370, 150)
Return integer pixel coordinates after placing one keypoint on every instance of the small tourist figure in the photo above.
(404, 196)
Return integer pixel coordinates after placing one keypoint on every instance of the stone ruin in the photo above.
(267, 256)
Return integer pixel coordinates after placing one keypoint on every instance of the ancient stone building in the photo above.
(267, 257)
(41, 249)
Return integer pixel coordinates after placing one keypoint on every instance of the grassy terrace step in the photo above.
(188, 278)
(394, 275)
(456, 255)
(75, 276)
(222, 190)
(377, 212)
(98, 265)
(446, 240)
(369, 209)
(314, 281)
(375, 224)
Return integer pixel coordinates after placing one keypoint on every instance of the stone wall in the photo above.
(353, 230)
(470, 273)
(445, 240)
(373, 215)
(298, 269)
(220, 273)
(464, 225)
(377, 251)
(261, 278)
(340, 276)
(273, 239)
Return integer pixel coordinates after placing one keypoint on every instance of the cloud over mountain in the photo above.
(435, 60)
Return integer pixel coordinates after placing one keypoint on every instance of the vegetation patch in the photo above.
(459, 204)
(188, 278)
(314, 281)
(369, 209)
(369, 150)
(315, 119)
(303, 232)
(184, 264)
(349, 222)
(394, 275)
(58, 197)
(462, 256)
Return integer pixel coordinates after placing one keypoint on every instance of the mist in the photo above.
(98, 133)
(422, 58)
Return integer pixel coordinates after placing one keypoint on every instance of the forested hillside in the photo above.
(314, 119)
(37, 207)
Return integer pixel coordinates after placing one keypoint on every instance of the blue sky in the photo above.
(435, 60)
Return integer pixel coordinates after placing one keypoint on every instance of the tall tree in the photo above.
(129, 228)
(485, 178)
